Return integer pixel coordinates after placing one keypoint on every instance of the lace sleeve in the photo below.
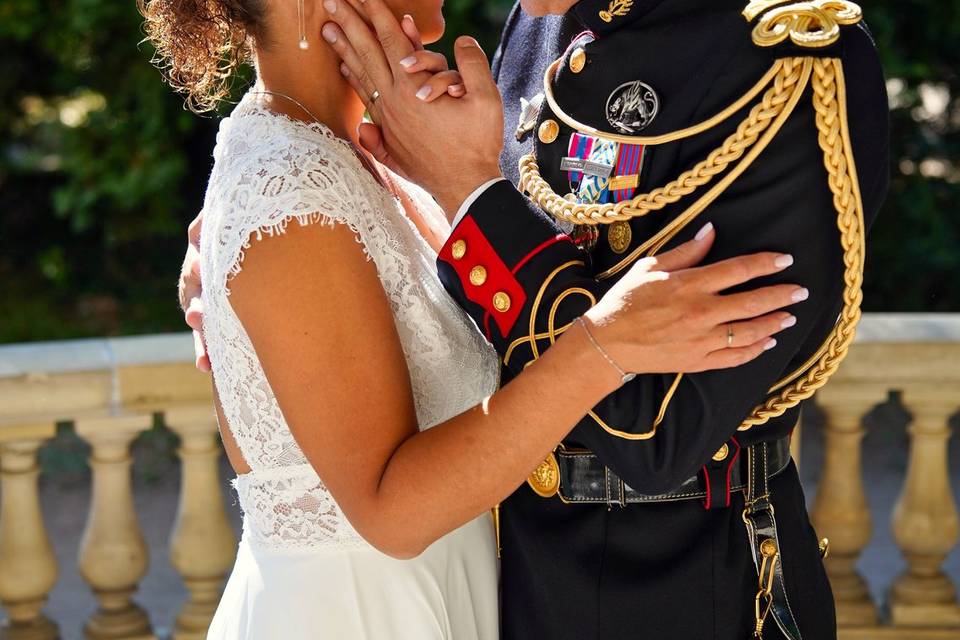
(260, 191)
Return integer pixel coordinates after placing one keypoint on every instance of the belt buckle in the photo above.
(545, 479)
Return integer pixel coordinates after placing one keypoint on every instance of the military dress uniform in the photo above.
(672, 510)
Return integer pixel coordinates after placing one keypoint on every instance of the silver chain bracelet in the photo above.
(624, 376)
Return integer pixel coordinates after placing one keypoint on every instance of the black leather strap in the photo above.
(758, 515)
(585, 480)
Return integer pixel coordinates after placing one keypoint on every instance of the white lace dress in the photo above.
(302, 571)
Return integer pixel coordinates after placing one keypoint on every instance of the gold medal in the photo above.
(619, 235)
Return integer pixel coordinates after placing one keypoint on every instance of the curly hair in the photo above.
(200, 43)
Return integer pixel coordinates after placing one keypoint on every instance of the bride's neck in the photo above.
(312, 78)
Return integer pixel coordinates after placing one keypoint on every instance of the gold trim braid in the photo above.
(830, 103)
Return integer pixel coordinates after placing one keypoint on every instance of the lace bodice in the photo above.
(268, 171)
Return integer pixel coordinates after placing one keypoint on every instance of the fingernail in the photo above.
(408, 62)
(704, 231)
(467, 41)
(783, 261)
(788, 322)
(800, 295)
(329, 33)
(330, 6)
(424, 92)
(345, 70)
(457, 90)
(771, 343)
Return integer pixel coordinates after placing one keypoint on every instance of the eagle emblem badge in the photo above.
(632, 107)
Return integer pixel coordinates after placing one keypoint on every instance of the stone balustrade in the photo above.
(110, 390)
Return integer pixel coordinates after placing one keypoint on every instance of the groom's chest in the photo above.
(676, 66)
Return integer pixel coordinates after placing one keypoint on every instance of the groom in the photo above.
(672, 510)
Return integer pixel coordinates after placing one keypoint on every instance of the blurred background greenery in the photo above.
(101, 167)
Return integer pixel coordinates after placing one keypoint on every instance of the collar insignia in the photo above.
(617, 8)
(529, 112)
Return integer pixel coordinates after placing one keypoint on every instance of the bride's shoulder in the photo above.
(265, 163)
(265, 145)
(270, 170)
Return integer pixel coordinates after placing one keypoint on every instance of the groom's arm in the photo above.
(535, 282)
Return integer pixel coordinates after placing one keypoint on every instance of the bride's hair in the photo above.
(200, 43)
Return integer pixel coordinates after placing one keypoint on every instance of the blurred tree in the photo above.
(101, 167)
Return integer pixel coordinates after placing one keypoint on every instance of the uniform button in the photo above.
(549, 131)
(768, 548)
(501, 302)
(459, 249)
(478, 275)
(620, 235)
(722, 454)
(578, 59)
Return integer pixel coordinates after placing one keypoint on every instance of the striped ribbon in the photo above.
(593, 189)
(628, 165)
(579, 147)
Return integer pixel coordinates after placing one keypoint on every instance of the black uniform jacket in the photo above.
(669, 570)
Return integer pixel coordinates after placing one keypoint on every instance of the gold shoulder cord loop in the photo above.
(830, 103)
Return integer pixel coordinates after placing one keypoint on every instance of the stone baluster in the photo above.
(203, 545)
(840, 510)
(28, 566)
(925, 521)
(113, 553)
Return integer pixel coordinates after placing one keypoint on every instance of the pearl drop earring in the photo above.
(304, 45)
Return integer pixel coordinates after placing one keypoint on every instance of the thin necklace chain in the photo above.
(293, 100)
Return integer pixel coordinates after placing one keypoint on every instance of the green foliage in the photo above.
(101, 167)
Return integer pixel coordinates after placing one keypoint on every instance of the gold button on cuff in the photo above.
(501, 302)
(768, 548)
(578, 59)
(478, 275)
(459, 249)
(722, 454)
(549, 131)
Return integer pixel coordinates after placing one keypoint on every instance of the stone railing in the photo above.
(111, 389)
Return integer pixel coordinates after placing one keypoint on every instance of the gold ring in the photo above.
(374, 97)
(729, 336)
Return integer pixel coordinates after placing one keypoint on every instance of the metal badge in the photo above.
(588, 167)
(529, 112)
(632, 107)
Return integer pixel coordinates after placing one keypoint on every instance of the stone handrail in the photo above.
(110, 390)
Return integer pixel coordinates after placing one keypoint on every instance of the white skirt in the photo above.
(447, 593)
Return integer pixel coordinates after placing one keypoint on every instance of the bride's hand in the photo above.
(449, 147)
(668, 315)
(443, 81)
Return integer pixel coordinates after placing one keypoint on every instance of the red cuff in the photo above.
(485, 278)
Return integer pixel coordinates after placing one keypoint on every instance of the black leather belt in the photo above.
(586, 480)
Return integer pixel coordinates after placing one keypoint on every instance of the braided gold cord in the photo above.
(734, 147)
(829, 100)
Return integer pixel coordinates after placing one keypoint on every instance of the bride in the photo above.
(358, 405)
